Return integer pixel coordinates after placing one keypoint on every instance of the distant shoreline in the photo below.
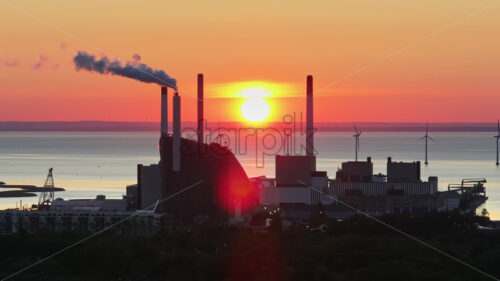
(112, 126)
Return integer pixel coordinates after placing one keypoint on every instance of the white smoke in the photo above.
(135, 69)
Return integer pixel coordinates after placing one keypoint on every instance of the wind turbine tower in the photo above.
(498, 137)
(426, 138)
(356, 141)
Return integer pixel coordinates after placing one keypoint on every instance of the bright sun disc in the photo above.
(255, 109)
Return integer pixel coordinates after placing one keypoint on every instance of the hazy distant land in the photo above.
(99, 126)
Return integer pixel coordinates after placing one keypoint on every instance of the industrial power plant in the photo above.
(197, 183)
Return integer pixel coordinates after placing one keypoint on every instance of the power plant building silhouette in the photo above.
(356, 171)
(201, 181)
(223, 188)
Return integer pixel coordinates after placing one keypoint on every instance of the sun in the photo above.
(255, 109)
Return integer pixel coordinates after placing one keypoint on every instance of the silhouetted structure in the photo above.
(164, 111)
(356, 171)
(149, 187)
(426, 138)
(200, 108)
(217, 183)
(294, 170)
(356, 142)
(498, 138)
(176, 134)
(403, 171)
(310, 118)
(223, 184)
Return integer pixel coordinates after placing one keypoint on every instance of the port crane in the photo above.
(472, 193)
(47, 194)
(474, 185)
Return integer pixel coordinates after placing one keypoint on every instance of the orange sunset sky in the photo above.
(396, 60)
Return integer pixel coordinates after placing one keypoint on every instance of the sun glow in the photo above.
(255, 110)
(255, 100)
(255, 89)
(254, 92)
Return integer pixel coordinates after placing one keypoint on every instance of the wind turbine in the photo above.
(497, 137)
(427, 138)
(356, 142)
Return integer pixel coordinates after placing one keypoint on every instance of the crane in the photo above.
(474, 185)
(47, 194)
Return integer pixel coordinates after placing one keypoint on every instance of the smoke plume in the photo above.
(43, 59)
(11, 63)
(134, 69)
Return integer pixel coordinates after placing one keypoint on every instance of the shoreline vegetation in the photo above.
(357, 248)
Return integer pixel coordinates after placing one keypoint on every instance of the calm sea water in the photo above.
(87, 164)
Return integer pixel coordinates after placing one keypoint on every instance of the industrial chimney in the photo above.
(164, 111)
(176, 141)
(309, 116)
(200, 108)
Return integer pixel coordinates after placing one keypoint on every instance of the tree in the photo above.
(485, 213)
(318, 216)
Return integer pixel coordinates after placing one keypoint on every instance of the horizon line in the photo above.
(148, 126)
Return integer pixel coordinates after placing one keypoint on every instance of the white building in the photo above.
(99, 204)
(370, 189)
(270, 194)
(326, 191)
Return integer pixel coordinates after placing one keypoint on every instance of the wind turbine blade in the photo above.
(432, 139)
(422, 138)
(355, 129)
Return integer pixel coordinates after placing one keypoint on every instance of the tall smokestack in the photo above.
(176, 141)
(164, 111)
(309, 120)
(200, 108)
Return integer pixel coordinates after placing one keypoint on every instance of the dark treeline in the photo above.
(354, 249)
